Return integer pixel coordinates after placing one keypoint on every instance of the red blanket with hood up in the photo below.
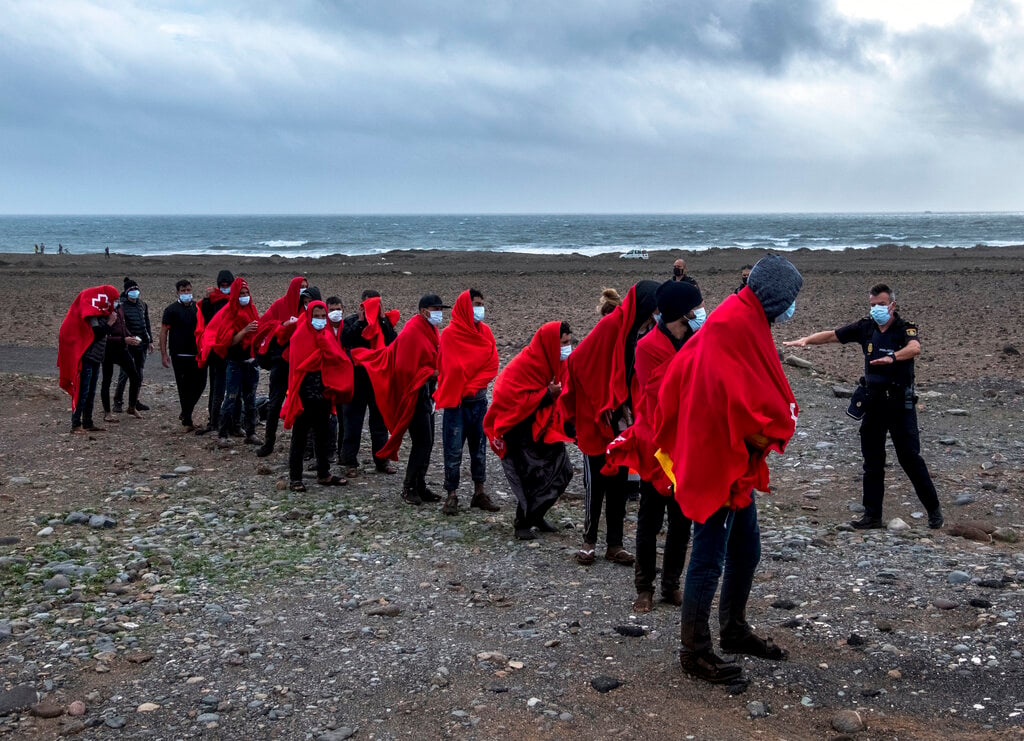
(467, 358)
(283, 309)
(76, 335)
(217, 335)
(313, 351)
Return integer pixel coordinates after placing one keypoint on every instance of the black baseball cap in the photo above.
(431, 300)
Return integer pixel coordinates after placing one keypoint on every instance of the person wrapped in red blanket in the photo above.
(596, 400)
(402, 375)
(319, 378)
(229, 336)
(681, 313)
(724, 404)
(467, 362)
(270, 346)
(214, 301)
(526, 431)
(81, 344)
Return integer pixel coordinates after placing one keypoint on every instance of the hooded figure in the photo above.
(80, 346)
(218, 334)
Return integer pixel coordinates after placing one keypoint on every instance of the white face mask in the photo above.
(335, 316)
(564, 351)
(436, 317)
(226, 290)
(185, 298)
(318, 323)
(699, 315)
(478, 313)
(244, 300)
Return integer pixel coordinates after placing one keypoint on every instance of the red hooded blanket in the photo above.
(316, 350)
(226, 323)
(723, 387)
(397, 372)
(280, 311)
(468, 356)
(596, 378)
(76, 335)
(521, 386)
(372, 331)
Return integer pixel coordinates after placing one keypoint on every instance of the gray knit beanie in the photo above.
(776, 282)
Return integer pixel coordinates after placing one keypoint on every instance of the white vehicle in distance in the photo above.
(635, 254)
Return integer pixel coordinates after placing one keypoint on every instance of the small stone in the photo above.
(854, 640)
(20, 697)
(983, 604)
(533, 702)
(894, 674)
(101, 521)
(1010, 350)
(76, 708)
(76, 518)
(338, 734)
(843, 392)
(605, 684)
(1005, 535)
(798, 362)
(386, 611)
(632, 631)
(958, 577)
(757, 709)
(207, 718)
(184, 469)
(47, 710)
(896, 525)
(45, 532)
(957, 412)
(963, 499)
(948, 441)
(147, 707)
(56, 583)
(848, 721)
(944, 604)
(784, 604)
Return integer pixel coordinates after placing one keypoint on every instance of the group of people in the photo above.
(691, 401)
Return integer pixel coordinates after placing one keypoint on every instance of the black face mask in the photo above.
(678, 272)
(743, 281)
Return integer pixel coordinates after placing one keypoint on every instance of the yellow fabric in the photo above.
(666, 464)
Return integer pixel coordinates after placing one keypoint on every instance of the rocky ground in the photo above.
(154, 586)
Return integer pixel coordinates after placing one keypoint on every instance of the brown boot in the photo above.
(480, 499)
(451, 504)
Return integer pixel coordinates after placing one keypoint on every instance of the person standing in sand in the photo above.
(214, 301)
(178, 349)
(890, 344)
(679, 272)
(136, 319)
(724, 404)
(81, 345)
(467, 362)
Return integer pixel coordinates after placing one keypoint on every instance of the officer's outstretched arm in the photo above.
(818, 338)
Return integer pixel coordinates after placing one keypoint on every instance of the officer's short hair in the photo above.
(882, 288)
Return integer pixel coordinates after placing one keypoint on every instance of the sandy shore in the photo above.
(965, 301)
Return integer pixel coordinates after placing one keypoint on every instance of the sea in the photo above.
(539, 234)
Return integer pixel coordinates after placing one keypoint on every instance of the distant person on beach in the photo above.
(467, 362)
(35, 248)
(526, 431)
(60, 249)
(178, 349)
(596, 400)
(119, 340)
(610, 298)
(216, 300)
(319, 376)
(369, 328)
(335, 322)
(744, 274)
(106, 252)
(679, 272)
(403, 375)
(724, 404)
(270, 346)
(136, 319)
(229, 336)
(42, 248)
(680, 315)
(80, 347)
(890, 344)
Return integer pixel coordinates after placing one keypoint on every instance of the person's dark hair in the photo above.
(564, 329)
(882, 288)
(182, 284)
(369, 293)
(748, 266)
(334, 300)
(474, 293)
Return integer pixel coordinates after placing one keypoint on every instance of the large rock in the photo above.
(798, 362)
(897, 525)
(1005, 534)
(17, 698)
(848, 721)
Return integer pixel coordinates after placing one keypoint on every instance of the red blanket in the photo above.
(280, 311)
(226, 323)
(76, 335)
(397, 372)
(635, 447)
(596, 378)
(311, 351)
(521, 386)
(725, 386)
(468, 356)
(372, 330)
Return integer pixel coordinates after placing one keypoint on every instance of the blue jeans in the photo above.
(240, 381)
(460, 425)
(87, 378)
(729, 538)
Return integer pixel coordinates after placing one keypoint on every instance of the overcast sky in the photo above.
(371, 106)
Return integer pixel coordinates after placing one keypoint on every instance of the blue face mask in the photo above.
(699, 315)
(244, 300)
(880, 313)
(185, 298)
(478, 313)
(134, 293)
(318, 323)
(226, 290)
(787, 314)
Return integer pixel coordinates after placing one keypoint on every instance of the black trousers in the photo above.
(650, 516)
(278, 388)
(218, 377)
(315, 418)
(126, 362)
(599, 488)
(421, 435)
(191, 382)
(890, 416)
(352, 416)
(138, 355)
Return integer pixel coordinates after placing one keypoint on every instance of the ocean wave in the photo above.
(282, 243)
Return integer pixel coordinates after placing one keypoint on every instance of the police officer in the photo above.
(890, 345)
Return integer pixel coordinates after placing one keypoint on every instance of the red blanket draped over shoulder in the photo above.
(521, 387)
(372, 332)
(283, 309)
(311, 351)
(397, 372)
(76, 334)
(596, 378)
(724, 386)
(226, 323)
(635, 447)
(468, 356)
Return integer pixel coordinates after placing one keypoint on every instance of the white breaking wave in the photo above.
(278, 243)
